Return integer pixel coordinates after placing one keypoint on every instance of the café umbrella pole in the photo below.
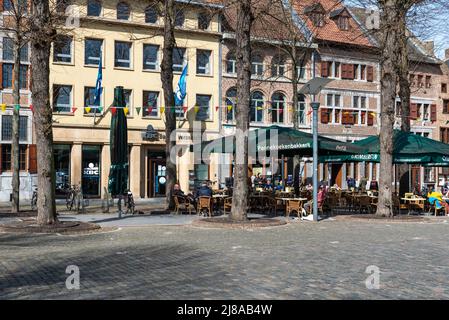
(315, 106)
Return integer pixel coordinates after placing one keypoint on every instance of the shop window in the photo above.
(62, 167)
(91, 157)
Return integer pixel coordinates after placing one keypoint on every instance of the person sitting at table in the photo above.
(309, 187)
(350, 182)
(182, 197)
(321, 197)
(268, 185)
(436, 198)
(203, 191)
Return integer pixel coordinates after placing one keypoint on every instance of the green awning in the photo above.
(408, 148)
(284, 140)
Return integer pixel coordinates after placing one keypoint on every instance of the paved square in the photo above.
(302, 260)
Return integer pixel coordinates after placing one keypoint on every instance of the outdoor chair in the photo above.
(227, 204)
(364, 204)
(294, 205)
(205, 203)
(183, 205)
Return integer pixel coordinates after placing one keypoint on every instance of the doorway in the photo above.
(157, 180)
(336, 174)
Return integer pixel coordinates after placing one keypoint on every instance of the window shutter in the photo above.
(345, 117)
(1, 5)
(413, 111)
(433, 112)
(370, 121)
(370, 73)
(324, 116)
(351, 71)
(343, 71)
(32, 159)
(325, 69)
(347, 71)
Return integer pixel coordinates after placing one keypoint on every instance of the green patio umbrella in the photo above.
(284, 140)
(118, 139)
(407, 148)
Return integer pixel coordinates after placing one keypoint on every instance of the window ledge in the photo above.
(124, 68)
(72, 64)
(205, 75)
(151, 71)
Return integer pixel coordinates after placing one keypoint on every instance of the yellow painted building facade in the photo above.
(128, 35)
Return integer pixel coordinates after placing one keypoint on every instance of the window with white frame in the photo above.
(179, 59)
(256, 104)
(278, 66)
(92, 51)
(334, 105)
(231, 63)
(203, 62)
(301, 72)
(94, 8)
(359, 112)
(257, 67)
(203, 104)
(62, 98)
(89, 101)
(301, 109)
(150, 103)
(62, 49)
(122, 54)
(230, 103)
(150, 57)
(277, 107)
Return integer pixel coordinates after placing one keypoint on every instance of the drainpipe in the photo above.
(220, 94)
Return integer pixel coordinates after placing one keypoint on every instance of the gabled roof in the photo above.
(416, 50)
(330, 31)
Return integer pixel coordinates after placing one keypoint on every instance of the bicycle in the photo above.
(34, 199)
(75, 197)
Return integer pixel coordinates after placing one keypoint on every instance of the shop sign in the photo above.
(91, 170)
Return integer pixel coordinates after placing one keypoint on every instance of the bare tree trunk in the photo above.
(296, 157)
(15, 148)
(167, 85)
(41, 34)
(404, 93)
(388, 99)
(243, 56)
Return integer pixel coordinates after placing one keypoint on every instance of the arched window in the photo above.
(301, 109)
(94, 8)
(231, 63)
(151, 14)
(257, 65)
(123, 11)
(277, 107)
(179, 17)
(257, 101)
(278, 66)
(230, 104)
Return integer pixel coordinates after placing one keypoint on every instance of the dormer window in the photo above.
(317, 19)
(343, 23)
(316, 14)
(341, 17)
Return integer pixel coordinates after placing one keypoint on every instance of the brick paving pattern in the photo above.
(301, 260)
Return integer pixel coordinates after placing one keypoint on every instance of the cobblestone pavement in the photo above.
(302, 260)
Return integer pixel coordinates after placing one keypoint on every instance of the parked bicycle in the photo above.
(34, 199)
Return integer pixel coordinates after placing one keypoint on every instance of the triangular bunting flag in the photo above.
(150, 109)
(138, 110)
(259, 108)
(74, 109)
(3, 106)
(373, 114)
(126, 110)
(17, 107)
(87, 109)
(113, 110)
(31, 108)
(216, 108)
(162, 109)
(281, 110)
(184, 109)
(100, 109)
(196, 108)
(230, 107)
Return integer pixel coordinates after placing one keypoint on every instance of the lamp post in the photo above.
(313, 88)
(315, 106)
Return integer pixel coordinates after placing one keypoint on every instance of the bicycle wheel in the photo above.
(71, 200)
(34, 201)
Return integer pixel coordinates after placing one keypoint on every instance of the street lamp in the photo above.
(313, 88)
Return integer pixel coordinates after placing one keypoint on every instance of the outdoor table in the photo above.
(284, 200)
(419, 201)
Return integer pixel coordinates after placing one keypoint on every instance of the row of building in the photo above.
(127, 37)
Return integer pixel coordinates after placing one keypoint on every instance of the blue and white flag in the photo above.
(98, 85)
(180, 92)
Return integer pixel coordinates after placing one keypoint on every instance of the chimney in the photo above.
(446, 54)
(429, 46)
